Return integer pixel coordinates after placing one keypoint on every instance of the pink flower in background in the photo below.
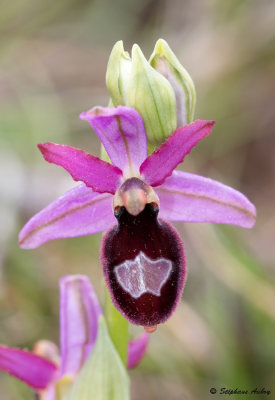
(142, 254)
(45, 368)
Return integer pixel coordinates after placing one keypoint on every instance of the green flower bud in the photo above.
(118, 73)
(153, 97)
(134, 83)
(167, 64)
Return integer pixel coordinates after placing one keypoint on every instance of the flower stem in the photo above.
(118, 328)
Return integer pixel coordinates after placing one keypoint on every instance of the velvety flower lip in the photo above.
(146, 276)
(79, 315)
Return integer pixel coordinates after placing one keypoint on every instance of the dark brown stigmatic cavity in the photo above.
(144, 266)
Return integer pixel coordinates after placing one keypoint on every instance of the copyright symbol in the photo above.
(213, 390)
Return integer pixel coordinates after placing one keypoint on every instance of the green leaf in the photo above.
(118, 328)
(103, 376)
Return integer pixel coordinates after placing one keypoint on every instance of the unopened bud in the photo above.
(134, 83)
(118, 73)
(166, 63)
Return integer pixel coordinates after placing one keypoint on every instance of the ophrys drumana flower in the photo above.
(142, 254)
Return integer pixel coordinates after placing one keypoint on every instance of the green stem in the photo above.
(118, 328)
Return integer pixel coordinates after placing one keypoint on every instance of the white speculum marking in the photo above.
(143, 275)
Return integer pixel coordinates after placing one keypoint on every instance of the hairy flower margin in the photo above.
(50, 373)
(135, 189)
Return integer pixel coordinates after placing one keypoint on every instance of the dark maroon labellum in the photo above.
(144, 266)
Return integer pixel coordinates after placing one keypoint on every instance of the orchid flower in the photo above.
(51, 373)
(142, 254)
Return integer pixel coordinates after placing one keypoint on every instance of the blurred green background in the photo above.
(53, 57)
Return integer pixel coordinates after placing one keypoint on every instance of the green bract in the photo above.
(103, 376)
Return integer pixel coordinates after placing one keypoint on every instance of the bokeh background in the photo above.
(53, 57)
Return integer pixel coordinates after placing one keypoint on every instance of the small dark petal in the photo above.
(144, 266)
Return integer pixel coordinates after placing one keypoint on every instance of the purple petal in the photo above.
(35, 371)
(99, 175)
(159, 165)
(79, 313)
(193, 198)
(49, 393)
(78, 212)
(137, 349)
(121, 131)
